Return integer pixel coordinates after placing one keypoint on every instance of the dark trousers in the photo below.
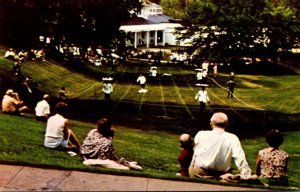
(230, 93)
(202, 106)
(107, 96)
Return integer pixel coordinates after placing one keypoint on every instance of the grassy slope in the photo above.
(154, 150)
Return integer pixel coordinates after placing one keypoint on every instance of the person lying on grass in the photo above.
(58, 133)
(97, 148)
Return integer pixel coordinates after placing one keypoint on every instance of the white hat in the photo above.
(153, 67)
(201, 85)
(107, 78)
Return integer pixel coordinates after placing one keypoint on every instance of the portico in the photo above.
(151, 28)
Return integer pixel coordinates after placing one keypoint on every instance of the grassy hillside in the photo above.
(261, 101)
(149, 124)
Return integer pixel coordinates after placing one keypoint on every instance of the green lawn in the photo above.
(21, 142)
(148, 125)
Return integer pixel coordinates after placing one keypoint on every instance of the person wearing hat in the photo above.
(214, 150)
(199, 76)
(186, 142)
(107, 88)
(42, 109)
(58, 133)
(202, 97)
(12, 104)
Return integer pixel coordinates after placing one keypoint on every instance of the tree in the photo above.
(76, 21)
(175, 8)
(230, 29)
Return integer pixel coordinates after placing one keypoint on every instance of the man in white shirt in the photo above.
(107, 88)
(142, 80)
(202, 97)
(42, 109)
(215, 149)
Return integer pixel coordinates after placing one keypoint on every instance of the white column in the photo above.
(147, 39)
(155, 38)
(164, 37)
(135, 40)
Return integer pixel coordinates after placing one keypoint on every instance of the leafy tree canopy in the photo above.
(75, 21)
(228, 29)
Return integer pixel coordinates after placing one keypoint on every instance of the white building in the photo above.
(151, 28)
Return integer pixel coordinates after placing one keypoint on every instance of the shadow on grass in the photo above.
(175, 118)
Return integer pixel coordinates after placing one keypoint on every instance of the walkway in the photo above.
(22, 178)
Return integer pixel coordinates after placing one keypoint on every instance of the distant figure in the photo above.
(153, 73)
(186, 142)
(215, 69)
(42, 109)
(107, 88)
(230, 86)
(202, 97)
(142, 81)
(271, 162)
(12, 104)
(97, 148)
(215, 149)
(199, 76)
(58, 133)
(231, 75)
(62, 95)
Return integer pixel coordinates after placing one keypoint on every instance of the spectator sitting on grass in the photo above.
(98, 146)
(12, 104)
(58, 133)
(42, 109)
(186, 142)
(215, 149)
(271, 162)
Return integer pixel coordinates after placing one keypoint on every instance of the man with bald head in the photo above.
(186, 142)
(215, 149)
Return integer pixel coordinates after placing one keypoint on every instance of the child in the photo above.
(186, 142)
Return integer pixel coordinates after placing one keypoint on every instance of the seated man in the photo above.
(214, 150)
(12, 104)
(42, 109)
(58, 133)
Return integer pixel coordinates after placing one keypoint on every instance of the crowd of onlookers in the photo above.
(22, 55)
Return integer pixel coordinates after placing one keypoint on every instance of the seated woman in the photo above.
(98, 146)
(58, 132)
(271, 162)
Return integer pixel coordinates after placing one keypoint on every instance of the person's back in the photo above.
(272, 162)
(215, 149)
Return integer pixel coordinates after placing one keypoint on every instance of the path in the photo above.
(22, 178)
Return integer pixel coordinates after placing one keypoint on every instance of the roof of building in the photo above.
(153, 19)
